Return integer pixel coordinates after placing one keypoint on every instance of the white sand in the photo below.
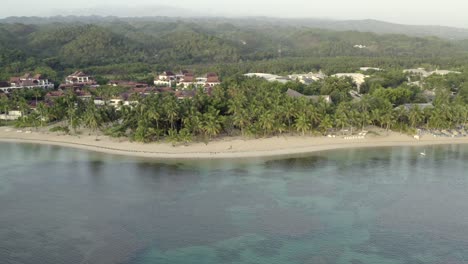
(222, 148)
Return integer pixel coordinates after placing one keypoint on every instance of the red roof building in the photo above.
(27, 81)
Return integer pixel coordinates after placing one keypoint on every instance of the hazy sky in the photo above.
(446, 12)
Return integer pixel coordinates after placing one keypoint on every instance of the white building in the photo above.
(423, 73)
(315, 98)
(28, 81)
(166, 78)
(11, 115)
(307, 78)
(360, 46)
(369, 69)
(358, 78)
(79, 77)
(269, 77)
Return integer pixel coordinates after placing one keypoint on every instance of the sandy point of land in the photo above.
(221, 148)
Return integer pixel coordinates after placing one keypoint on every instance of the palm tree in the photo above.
(185, 136)
(280, 127)
(302, 124)
(388, 119)
(128, 117)
(415, 116)
(73, 118)
(315, 116)
(172, 137)
(91, 117)
(326, 124)
(439, 117)
(241, 121)
(462, 111)
(154, 116)
(22, 106)
(194, 123)
(141, 131)
(401, 116)
(211, 124)
(42, 109)
(322, 106)
(354, 119)
(266, 122)
(365, 119)
(171, 110)
(289, 112)
(375, 117)
(4, 105)
(70, 102)
(341, 121)
(37, 93)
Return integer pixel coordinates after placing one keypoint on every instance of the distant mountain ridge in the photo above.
(169, 14)
(381, 27)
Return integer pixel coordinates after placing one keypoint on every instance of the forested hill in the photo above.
(381, 27)
(107, 42)
(365, 25)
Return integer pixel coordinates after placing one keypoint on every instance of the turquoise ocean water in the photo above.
(381, 205)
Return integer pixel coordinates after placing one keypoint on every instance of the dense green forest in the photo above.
(126, 48)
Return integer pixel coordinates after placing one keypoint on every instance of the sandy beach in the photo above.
(221, 148)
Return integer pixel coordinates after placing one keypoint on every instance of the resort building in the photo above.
(369, 69)
(186, 79)
(212, 80)
(444, 72)
(358, 78)
(423, 73)
(27, 81)
(304, 78)
(128, 84)
(269, 77)
(78, 78)
(166, 78)
(315, 98)
(360, 46)
(308, 78)
(54, 94)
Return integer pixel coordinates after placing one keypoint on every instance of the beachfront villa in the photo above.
(27, 81)
(78, 79)
(166, 78)
(185, 79)
(212, 80)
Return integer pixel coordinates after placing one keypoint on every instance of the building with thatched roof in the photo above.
(295, 94)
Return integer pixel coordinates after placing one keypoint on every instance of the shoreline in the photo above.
(226, 148)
